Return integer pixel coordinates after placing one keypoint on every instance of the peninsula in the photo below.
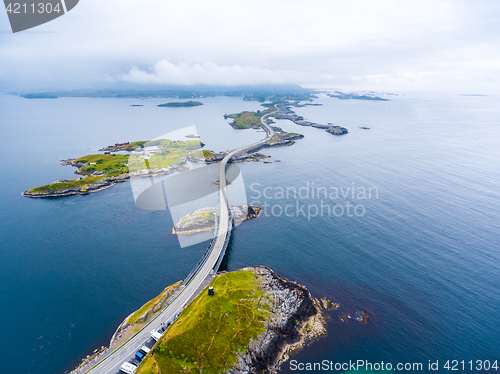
(252, 323)
(101, 171)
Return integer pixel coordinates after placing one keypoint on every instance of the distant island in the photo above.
(181, 104)
(40, 96)
(348, 96)
(251, 93)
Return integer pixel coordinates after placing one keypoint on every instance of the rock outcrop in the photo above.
(287, 113)
(104, 183)
(296, 320)
(204, 219)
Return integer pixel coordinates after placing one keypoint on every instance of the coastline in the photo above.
(202, 220)
(295, 320)
(105, 183)
(100, 182)
(128, 327)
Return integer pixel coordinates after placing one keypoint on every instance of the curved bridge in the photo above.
(201, 275)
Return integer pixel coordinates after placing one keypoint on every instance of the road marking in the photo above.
(104, 367)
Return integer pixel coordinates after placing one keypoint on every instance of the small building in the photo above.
(211, 291)
(92, 163)
(107, 153)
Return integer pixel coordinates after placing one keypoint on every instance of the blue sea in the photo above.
(416, 246)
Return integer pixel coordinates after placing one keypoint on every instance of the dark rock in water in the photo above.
(337, 130)
(329, 304)
(362, 316)
(251, 211)
(204, 219)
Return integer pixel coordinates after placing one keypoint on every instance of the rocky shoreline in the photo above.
(279, 139)
(287, 113)
(203, 219)
(296, 321)
(127, 329)
(104, 183)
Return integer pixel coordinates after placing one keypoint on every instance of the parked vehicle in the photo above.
(128, 368)
(139, 355)
(155, 335)
(145, 350)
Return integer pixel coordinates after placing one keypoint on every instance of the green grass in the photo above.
(65, 185)
(212, 329)
(208, 153)
(134, 145)
(139, 313)
(199, 215)
(249, 120)
(279, 137)
(157, 161)
(246, 120)
(275, 138)
(103, 162)
(186, 144)
(114, 164)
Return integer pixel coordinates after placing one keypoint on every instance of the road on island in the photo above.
(126, 352)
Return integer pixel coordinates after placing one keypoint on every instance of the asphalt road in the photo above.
(125, 353)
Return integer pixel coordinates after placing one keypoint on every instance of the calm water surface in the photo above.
(423, 259)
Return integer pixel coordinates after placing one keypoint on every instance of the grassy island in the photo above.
(103, 169)
(181, 104)
(212, 329)
(249, 120)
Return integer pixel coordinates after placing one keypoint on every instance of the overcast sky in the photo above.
(390, 45)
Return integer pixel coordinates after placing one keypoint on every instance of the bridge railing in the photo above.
(226, 241)
(200, 264)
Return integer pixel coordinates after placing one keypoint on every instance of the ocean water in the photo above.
(418, 250)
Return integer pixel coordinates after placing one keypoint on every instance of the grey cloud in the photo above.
(386, 44)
